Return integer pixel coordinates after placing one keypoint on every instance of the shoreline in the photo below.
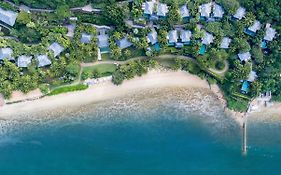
(154, 79)
(104, 91)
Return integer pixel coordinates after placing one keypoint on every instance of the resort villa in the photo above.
(152, 39)
(86, 38)
(8, 17)
(206, 40)
(205, 10)
(184, 12)
(244, 56)
(252, 76)
(247, 83)
(172, 37)
(149, 8)
(225, 43)
(253, 28)
(70, 30)
(185, 37)
(217, 11)
(56, 48)
(24, 61)
(240, 13)
(179, 40)
(43, 60)
(103, 42)
(124, 43)
(6, 53)
(269, 36)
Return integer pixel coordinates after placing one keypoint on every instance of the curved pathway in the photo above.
(221, 72)
(86, 8)
(166, 56)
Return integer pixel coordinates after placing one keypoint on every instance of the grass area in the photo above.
(136, 52)
(106, 57)
(237, 104)
(102, 69)
(169, 62)
(66, 89)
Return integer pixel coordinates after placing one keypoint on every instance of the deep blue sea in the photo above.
(156, 143)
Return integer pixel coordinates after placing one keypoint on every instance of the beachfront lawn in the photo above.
(102, 70)
(106, 57)
(166, 62)
(66, 89)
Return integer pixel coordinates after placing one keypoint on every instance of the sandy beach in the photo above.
(155, 79)
(104, 91)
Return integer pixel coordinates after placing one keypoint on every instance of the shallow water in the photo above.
(155, 135)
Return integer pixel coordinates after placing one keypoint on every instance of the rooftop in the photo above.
(162, 9)
(8, 17)
(269, 33)
(70, 28)
(56, 48)
(225, 43)
(173, 36)
(252, 76)
(205, 10)
(86, 38)
(43, 60)
(184, 12)
(240, 13)
(24, 61)
(208, 38)
(6, 53)
(217, 11)
(185, 35)
(148, 7)
(244, 56)
(256, 26)
(152, 37)
(103, 40)
(124, 43)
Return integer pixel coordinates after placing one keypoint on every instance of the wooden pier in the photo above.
(244, 136)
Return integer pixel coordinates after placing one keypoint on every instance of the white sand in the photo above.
(19, 96)
(104, 91)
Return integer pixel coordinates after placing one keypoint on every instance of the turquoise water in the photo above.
(140, 143)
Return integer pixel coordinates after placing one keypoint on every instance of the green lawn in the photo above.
(102, 69)
(66, 89)
(106, 57)
(169, 62)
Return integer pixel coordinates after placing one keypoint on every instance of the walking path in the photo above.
(221, 72)
(87, 8)
(166, 56)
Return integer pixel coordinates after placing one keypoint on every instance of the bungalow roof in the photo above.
(240, 13)
(56, 48)
(256, 26)
(184, 12)
(208, 38)
(43, 60)
(205, 10)
(24, 61)
(6, 53)
(225, 43)
(244, 56)
(162, 9)
(185, 35)
(7, 16)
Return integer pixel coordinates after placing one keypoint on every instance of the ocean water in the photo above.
(136, 140)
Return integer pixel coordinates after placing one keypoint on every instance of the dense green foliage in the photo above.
(34, 32)
(132, 69)
(55, 3)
